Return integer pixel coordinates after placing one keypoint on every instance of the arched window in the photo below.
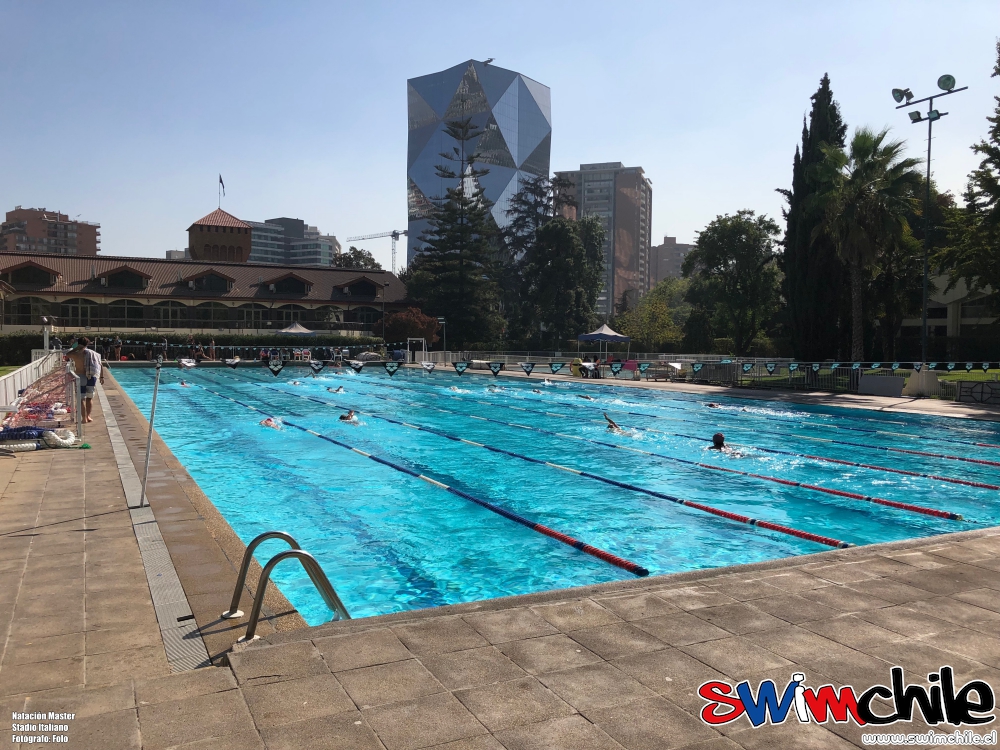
(26, 311)
(364, 315)
(170, 314)
(328, 316)
(208, 249)
(212, 315)
(125, 313)
(286, 314)
(78, 313)
(252, 315)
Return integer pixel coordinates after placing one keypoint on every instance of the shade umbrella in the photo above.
(605, 334)
(297, 329)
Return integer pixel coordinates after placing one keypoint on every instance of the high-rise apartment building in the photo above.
(666, 260)
(38, 230)
(514, 117)
(622, 198)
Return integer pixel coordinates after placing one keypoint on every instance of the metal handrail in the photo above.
(234, 606)
(316, 574)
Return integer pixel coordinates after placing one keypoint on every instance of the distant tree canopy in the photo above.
(411, 323)
(355, 257)
(654, 324)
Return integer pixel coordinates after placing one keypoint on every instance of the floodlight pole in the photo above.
(927, 204)
(149, 437)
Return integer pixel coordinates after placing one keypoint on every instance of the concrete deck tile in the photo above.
(575, 615)
(738, 618)
(389, 683)
(951, 579)
(984, 598)
(979, 646)
(509, 625)
(791, 734)
(794, 609)
(364, 649)
(257, 666)
(47, 606)
(855, 668)
(796, 644)
(548, 654)
(30, 627)
(919, 658)
(844, 599)
(618, 639)
(183, 685)
(841, 572)
(906, 621)
(693, 597)
(958, 553)
(794, 581)
(116, 666)
(735, 656)
(423, 722)
(200, 717)
(296, 700)
(117, 638)
(889, 590)
(346, 731)
(680, 629)
(465, 669)
(719, 743)
(915, 559)
(651, 724)
(744, 591)
(960, 613)
(852, 631)
(111, 731)
(670, 673)
(637, 606)
(508, 704)
(595, 686)
(438, 636)
(568, 733)
(84, 701)
(45, 675)
(46, 575)
(479, 742)
(45, 649)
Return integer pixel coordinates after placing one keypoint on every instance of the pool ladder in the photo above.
(312, 568)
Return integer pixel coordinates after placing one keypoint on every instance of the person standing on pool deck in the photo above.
(87, 364)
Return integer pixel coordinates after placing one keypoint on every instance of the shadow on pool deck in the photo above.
(609, 666)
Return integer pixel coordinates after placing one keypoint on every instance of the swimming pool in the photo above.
(391, 540)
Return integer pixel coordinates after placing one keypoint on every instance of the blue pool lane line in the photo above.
(820, 539)
(788, 482)
(600, 554)
(737, 427)
(951, 480)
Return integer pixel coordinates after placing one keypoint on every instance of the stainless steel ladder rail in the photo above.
(312, 568)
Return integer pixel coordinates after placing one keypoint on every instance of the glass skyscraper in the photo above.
(514, 117)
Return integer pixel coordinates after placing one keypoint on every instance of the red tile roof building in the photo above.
(117, 293)
(220, 236)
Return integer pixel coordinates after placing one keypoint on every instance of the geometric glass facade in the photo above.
(513, 114)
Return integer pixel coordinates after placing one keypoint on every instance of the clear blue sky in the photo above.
(127, 112)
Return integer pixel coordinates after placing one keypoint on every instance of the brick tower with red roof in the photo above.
(220, 236)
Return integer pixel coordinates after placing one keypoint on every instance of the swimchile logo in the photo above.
(970, 704)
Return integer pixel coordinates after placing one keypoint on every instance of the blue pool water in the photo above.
(389, 541)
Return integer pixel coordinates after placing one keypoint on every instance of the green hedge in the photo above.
(15, 348)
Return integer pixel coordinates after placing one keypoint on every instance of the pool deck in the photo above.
(610, 666)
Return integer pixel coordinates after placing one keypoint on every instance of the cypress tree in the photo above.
(815, 279)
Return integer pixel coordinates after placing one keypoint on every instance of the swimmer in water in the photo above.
(270, 422)
(535, 390)
(349, 417)
(547, 382)
(296, 382)
(584, 396)
(338, 389)
(612, 425)
(719, 444)
(453, 388)
(183, 384)
(712, 405)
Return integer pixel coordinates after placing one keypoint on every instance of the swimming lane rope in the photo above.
(830, 542)
(966, 482)
(788, 482)
(600, 554)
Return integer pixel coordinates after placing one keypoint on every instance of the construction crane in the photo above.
(395, 234)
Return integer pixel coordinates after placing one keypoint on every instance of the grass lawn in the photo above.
(5, 370)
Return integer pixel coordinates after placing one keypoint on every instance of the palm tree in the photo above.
(869, 189)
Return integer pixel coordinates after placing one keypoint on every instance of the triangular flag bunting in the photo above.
(391, 367)
(429, 366)
(356, 366)
(556, 366)
(275, 365)
(770, 368)
(460, 367)
(316, 365)
(616, 367)
(496, 367)
(233, 362)
(527, 367)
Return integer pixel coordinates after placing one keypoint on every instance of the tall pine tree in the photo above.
(454, 275)
(815, 287)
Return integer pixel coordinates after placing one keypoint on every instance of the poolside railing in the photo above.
(13, 383)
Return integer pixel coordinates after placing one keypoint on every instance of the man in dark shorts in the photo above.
(87, 364)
